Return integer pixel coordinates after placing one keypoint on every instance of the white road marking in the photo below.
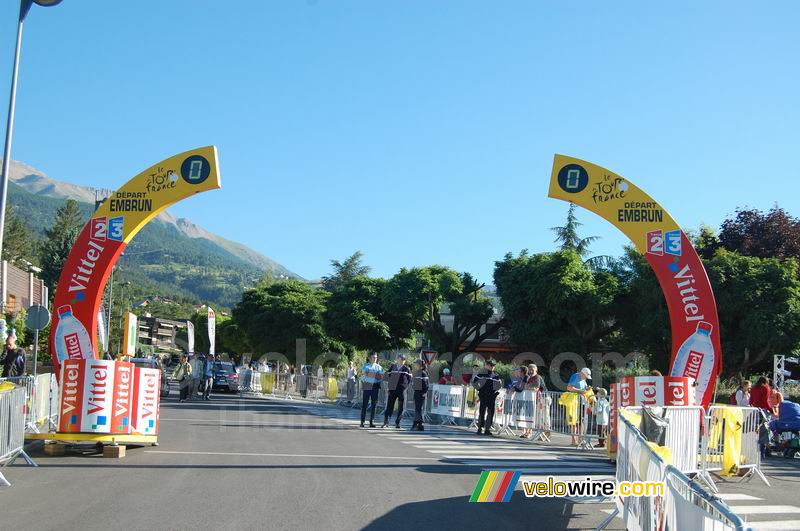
(737, 497)
(321, 456)
(765, 509)
(774, 524)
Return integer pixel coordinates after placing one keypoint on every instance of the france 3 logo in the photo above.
(660, 243)
(103, 229)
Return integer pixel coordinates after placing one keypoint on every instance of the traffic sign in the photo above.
(37, 317)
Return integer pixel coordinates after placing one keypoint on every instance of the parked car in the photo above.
(150, 363)
(225, 377)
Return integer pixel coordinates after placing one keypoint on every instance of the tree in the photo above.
(758, 300)
(355, 315)
(345, 271)
(274, 317)
(19, 242)
(58, 242)
(774, 234)
(641, 311)
(418, 298)
(554, 302)
(567, 236)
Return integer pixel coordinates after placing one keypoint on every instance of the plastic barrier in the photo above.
(12, 429)
(730, 444)
(682, 504)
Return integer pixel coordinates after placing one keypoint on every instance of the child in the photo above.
(419, 384)
(601, 415)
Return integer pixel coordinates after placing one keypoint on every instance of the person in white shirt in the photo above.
(743, 394)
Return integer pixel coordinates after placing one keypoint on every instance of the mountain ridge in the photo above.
(40, 184)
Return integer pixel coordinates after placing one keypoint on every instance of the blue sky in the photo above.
(418, 132)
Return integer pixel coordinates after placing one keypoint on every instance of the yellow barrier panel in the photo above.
(731, 439)
(333, 389)
(267, 383)
(570, 401)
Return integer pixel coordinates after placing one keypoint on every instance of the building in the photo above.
(21, 289)
(161, 334)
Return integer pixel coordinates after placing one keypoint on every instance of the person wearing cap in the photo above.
(371, 384)
(446, 378)
(578, 384)
(420, 386)
(399, 377)
(488, 384)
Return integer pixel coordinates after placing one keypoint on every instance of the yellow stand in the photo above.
(133, 438)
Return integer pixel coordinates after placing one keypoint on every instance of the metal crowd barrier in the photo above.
(12, 429)
(683, 434)
(730, 443)
(636, 461)
(41, 400)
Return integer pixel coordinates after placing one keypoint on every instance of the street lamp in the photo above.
(24, 7)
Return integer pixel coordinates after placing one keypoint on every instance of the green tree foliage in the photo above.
(555, 302)
(568, 239)
(345, 271)
(419, 298)
(58, 241)
(355, 314)
(641, 311)
(19, 241)
(759, 308)
(276, 316)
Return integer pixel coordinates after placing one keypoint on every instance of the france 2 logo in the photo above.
(659, 243)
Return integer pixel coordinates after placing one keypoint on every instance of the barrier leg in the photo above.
(754, 471)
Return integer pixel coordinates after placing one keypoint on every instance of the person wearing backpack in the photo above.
(183, 375)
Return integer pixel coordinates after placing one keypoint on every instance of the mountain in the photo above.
(173, 255)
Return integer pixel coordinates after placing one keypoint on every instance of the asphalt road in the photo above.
(237, 463)
(252, 464)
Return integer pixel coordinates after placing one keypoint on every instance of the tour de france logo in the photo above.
(195, 169)
(573, 178)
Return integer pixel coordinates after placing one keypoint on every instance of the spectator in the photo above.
(578, 384)
(352, 376)
(602, 408)
(488, 384)
(446, 378)
(535, 380)
(13, 358)
(656, 372)
(743, 393)
(420, 387)
(183, 375)
(372, 373)
(520, 381)
(775, 400)
(208, 376)
(399, 377)
(197, 375)
(760, 395)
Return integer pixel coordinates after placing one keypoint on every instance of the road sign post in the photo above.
(37, 318)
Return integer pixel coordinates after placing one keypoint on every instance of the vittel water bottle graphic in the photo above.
(696, 358)
(72, 339)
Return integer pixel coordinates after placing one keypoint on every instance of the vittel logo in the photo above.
(70, 391)
(98, 390)
(73, 346)
(123, 393)
(693, 364)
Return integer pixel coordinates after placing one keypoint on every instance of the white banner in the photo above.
(131, 333)
(101, 331)
(189, 338)
(447, 400)
(212, 329)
